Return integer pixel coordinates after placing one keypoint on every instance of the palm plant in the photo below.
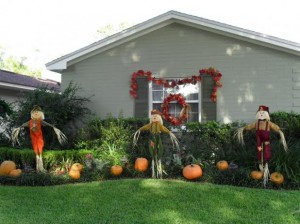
(109, 152)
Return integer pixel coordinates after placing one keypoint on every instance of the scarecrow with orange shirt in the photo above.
(35, 127)
(263, 126)
(156, 127)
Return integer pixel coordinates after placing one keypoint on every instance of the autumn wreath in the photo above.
(184, 111)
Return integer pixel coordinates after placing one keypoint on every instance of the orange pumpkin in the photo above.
(256, 175)
(116, 170)
(6, 167)
(15, 173)
(141, 164)
(74, 174)
(277, 178)
(77, 166)
(192, 171)
(222, 165)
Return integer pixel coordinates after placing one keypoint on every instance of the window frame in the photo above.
(151, 102)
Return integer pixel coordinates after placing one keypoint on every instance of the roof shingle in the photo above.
(24, 80)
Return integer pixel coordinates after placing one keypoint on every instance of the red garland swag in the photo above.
(215, 74)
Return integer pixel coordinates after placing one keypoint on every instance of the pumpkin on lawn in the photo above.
(116, 170)
(74, 174)
(6, 167)
(15, 173)
(141, 164)
(222, 165)
(77, 166)
(192, 171)
(256, 174)
(277, 178)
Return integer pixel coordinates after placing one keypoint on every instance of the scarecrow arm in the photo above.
(44, 123)
(26, 124)
(145, 127)
(60, 136)
(138, 132)
(174, 140)
(251, 126)
(164, 129)
(16, 132)
(239, 133)
(276, 128)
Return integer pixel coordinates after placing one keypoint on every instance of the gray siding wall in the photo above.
(252, 74)
(11, 95)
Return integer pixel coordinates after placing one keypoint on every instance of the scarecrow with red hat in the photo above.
(155, 127)
(263, 126)
(36, 135)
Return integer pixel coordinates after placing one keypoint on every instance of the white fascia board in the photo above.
(15, 86)
(57, 66)
(232, 31)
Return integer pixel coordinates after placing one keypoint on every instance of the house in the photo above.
(171, 48)
(13, 86)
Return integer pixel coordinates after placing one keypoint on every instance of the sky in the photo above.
(43, 30)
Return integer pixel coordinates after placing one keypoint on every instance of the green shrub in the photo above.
(289, 122)
(109, 142)
(16, 155)
(5, 108)
(287, 162)
(89, 137)
(111, 139)
(62, 110)
(5, 112)
(112, 154)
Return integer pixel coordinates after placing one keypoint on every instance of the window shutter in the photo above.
(208, 107)
(141, 102)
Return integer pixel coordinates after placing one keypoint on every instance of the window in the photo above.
(191, 93)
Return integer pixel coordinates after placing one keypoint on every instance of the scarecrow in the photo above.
(155, 127)
(263, 126)
(36, 135)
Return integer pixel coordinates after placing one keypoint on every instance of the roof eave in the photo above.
(239, 33)
(111, 41)
(158, 22)
(16, 87)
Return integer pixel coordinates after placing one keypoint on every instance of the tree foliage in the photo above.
(17, 65)
(5, 108)
(111, 29)
(5, 112)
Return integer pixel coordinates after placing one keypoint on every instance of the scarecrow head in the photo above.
(37, 113)
(263, 113)
(156, 116)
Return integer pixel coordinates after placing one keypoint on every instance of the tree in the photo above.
(111, 29)
(17, 65)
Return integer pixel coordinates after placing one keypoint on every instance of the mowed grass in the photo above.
(147, 201)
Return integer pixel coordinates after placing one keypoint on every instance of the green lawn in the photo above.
(147, 201)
